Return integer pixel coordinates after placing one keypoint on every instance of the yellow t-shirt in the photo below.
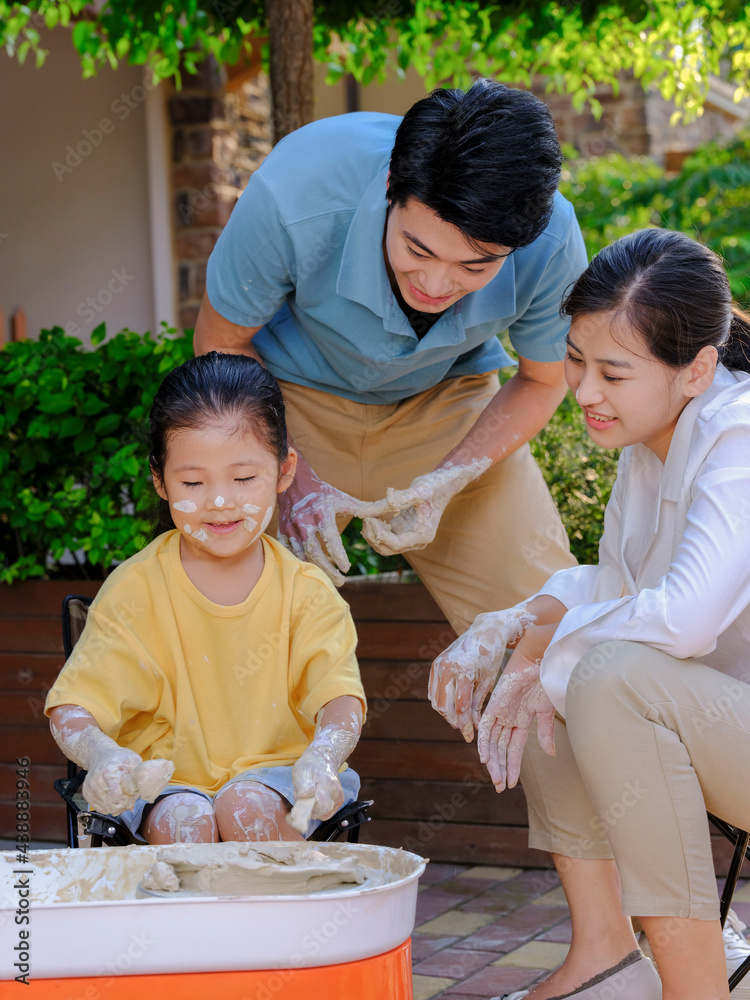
(167, 673)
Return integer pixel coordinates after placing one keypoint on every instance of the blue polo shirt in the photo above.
(301, 257)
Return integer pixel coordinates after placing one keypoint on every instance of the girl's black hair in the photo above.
(672, 290)
(215, 387)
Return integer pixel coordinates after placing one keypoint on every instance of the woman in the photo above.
(636, 669)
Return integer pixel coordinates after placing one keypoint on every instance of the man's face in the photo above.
(430, 262)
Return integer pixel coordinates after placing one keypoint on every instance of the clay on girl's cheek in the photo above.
(219, 501)
(201, 535)
(185, 506)
(187, 529)
(250, 523)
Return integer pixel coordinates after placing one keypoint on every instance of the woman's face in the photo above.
(221, 482)
(627, 395)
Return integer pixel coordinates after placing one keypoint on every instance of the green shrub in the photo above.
(709, 199)
(74, 457)
(73, 448)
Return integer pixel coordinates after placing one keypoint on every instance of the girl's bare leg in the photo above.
(690, 957)
(248, 810)
(180, 818)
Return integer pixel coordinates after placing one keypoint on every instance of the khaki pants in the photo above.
(651, 743)
(499, 539)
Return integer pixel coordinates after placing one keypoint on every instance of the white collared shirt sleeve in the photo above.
(706, 587)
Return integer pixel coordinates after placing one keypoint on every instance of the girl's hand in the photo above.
(316, 782)
(464, 673)
(419, 508)
(110, 786)
(307, 521)
(116, 777)
(317, 789)
(517, 699)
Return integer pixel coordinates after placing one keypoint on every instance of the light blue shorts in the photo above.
(277, 778)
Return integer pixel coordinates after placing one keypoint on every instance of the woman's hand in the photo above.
(307, 521)
(517, 700)
(464, 673)
(419, 508)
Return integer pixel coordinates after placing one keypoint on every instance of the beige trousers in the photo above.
(498, 541)
(650, 744)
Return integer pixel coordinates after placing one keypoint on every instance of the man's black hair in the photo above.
(486, 160)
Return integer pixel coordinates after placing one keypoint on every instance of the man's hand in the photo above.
(307, 521)
(420, 507)
(517, 699)
(463, 674)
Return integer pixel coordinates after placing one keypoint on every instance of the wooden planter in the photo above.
(431, 793)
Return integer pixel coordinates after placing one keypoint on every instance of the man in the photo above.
(370, 264)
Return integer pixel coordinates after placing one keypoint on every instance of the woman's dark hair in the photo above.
(215, 387)
(672, 290)
(486, 160)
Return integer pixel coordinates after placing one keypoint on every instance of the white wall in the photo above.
(393, 96)
(75, 234)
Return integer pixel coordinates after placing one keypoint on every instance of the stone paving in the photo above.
(483, 931)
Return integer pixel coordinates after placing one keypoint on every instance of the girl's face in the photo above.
(221, 483)
(627, 395)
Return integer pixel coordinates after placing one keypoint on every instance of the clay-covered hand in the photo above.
(317, 789)
(116, 777)
(109, 786)
(307, 522)
(517, 700)
(420, 507)
(464, 673)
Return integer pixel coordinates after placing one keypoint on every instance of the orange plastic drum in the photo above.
(384, 976)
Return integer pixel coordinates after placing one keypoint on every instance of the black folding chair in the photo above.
(740, 839)
(102, 829)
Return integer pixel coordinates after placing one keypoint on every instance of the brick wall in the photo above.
(218, 139)
(622, 127)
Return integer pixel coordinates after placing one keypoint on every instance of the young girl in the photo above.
(214, 658)
(637, 669)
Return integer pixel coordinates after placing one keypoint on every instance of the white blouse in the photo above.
(674, 559)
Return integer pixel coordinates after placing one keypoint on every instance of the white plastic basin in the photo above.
(85, 920)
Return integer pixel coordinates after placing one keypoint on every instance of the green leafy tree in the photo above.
(672, 46)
